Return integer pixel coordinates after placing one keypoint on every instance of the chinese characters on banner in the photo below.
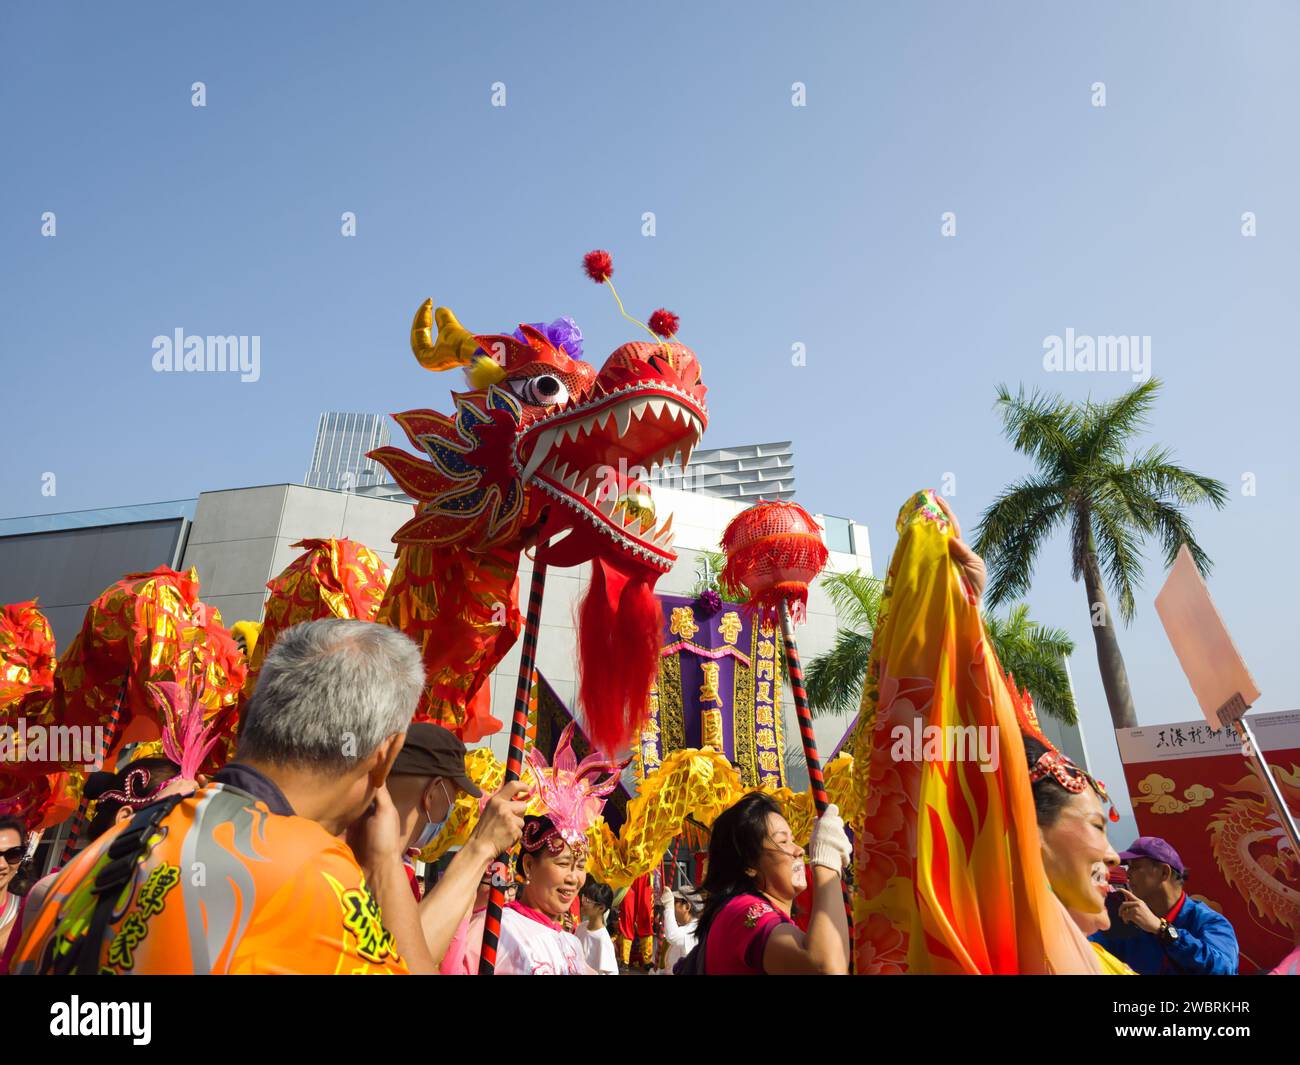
(719, 686)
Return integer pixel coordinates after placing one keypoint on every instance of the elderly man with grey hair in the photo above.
(251, 873)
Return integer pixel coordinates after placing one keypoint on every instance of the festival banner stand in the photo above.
(1220, 680)
(718, 686)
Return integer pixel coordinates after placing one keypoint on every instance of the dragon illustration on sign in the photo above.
(1252, 851)
(543, 453)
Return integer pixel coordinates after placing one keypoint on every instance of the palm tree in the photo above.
(834, 679)
(1034, 653)
(1086, 479)
(1035, 656)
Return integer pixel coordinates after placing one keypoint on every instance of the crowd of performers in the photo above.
(260, 796)
(296, 855)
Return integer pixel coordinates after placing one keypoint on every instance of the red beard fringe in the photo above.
(620, 625)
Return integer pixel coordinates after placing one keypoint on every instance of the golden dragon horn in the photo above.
(455, 345)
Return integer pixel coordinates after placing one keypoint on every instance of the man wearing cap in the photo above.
(427, 778)
(1178, 936)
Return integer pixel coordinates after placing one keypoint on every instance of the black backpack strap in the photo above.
(125, 853)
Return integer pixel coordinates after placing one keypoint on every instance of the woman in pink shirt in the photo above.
(755, 871)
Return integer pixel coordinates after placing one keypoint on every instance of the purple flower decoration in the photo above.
(563, 333)
(709, 602)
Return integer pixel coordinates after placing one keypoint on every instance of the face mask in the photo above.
(431, 830)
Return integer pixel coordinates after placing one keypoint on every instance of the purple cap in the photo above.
(1157, 850)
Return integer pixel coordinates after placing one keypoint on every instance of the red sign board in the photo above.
(1191, 785)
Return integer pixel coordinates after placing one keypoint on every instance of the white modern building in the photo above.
(239, 539)
(748, 472)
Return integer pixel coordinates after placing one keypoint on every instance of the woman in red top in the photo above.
(755, 871)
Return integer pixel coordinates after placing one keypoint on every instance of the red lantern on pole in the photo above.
(774, 551)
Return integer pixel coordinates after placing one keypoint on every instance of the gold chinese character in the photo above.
(709, 689)
(763, 691)
(766, 649)
(765, 669)
(711, 729)
(730, 626)
(767, 760)
(764, 716)
(682, 622)
(765, 737)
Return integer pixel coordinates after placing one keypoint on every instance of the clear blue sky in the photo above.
(776, 225)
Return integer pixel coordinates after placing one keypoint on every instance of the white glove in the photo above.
(830, 846)
(667, 899)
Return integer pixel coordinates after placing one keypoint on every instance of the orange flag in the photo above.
(949, 874)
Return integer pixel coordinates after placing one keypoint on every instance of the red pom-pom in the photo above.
(664, 323)
(599, 266)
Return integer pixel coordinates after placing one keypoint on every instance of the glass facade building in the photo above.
(339, 461)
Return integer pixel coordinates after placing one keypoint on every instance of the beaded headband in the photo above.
(536, 836)
(1073, 779)
(135, 791)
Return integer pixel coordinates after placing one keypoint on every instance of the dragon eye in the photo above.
(545, 390)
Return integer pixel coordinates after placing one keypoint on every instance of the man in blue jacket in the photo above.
(1162, 929)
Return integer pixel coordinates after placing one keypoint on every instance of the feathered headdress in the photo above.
(572, 793)
(186, 740)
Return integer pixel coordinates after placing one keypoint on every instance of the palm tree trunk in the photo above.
(1114, 677)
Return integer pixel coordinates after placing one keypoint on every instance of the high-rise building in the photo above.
(744, 473)
(342, 440)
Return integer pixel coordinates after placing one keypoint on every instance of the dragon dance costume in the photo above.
(543, 453)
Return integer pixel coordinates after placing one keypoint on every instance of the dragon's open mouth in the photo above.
(592, 456)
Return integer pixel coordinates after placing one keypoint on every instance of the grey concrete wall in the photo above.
(67, 569)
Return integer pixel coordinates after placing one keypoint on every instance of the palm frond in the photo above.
(1039, 426)
(1107, 427)
(1119, 550)
(1035, 656)
(1011, 532)
(834, 679)
(856, 597)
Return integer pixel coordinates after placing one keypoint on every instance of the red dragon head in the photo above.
(545, 452)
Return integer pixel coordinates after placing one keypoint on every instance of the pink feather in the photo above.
(185, 738)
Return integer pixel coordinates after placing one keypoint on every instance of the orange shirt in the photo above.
(227, 888)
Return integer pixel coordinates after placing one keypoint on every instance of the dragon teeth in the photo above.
(623, 418)
(539, 454)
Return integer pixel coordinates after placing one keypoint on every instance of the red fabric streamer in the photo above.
(619, 624)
